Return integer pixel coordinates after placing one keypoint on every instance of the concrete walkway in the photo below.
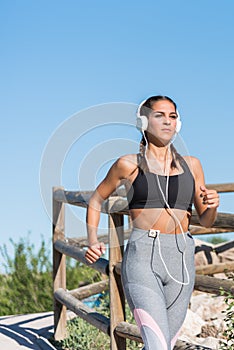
(32, 331)
(29, 331)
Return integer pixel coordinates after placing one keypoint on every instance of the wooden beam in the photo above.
(59, 268)
(212, 284)
(200, 230)
(212, 269)
(117, 299)
(222, 188)
(75, 252)
(90, 315)
(130, 331)
(72, 197)
(90, 289)
(224, 220)
(182, 345)
(82, 242)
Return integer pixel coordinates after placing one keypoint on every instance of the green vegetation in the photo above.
(82, 335)
(216, 240)
(26, 286)
(227, 343)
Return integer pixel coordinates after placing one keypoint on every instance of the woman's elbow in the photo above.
(95, 203)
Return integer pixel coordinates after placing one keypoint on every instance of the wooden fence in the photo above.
(116, 207)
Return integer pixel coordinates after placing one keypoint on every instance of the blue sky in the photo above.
(62, 58)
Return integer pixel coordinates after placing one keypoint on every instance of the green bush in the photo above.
(78, 274)
(227, 343)
(26, 286)
(216, 240)
(82, 335)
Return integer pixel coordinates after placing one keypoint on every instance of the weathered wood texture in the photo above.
(59, 269)
(117, 299)
(215, 268)
(130, 331)
(212, 269)
(212, 284)
(90, 289)
(222, 188)
(182, 345)
(200, 230)
(91, 316)
(223, 221)
(79, 254)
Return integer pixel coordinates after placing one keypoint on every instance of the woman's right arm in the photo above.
(119, 171)
(95, 248)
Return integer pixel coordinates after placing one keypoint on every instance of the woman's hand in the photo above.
(95, 251)
(209, 197)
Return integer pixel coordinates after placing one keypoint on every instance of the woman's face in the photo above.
(162, 121)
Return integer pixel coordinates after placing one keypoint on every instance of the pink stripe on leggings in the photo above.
(144, 319)
(174, 339)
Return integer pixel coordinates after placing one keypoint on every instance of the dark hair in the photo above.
(145, 109)
(148, 104)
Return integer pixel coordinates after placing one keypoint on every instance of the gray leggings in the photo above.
(158, 279)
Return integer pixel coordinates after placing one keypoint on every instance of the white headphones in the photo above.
(142, 120)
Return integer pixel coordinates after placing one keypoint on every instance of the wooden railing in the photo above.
(116, 207)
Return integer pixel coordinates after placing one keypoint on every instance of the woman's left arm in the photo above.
(206, 201)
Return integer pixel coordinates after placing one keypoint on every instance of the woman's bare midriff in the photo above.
(167, 221)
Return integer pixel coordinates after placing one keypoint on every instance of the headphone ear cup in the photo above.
(178, 123)
(142, 122)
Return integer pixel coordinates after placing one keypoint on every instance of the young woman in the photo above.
(158, 265)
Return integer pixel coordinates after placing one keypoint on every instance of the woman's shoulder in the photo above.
(127, 163)
(191, 159)
(193, 163)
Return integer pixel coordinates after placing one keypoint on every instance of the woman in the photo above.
(158, 265)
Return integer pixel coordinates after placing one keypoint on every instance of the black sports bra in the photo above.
(145, 191)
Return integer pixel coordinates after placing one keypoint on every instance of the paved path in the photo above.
(26, 331)
(32, 331)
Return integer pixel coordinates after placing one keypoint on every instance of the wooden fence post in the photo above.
(117, 299)
(59, 268)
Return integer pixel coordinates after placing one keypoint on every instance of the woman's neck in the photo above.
(159, 158)
(159, 153)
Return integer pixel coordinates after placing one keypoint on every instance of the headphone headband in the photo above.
(139, 108)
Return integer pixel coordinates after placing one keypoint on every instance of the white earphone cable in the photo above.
(173, 215)
(159, 246)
